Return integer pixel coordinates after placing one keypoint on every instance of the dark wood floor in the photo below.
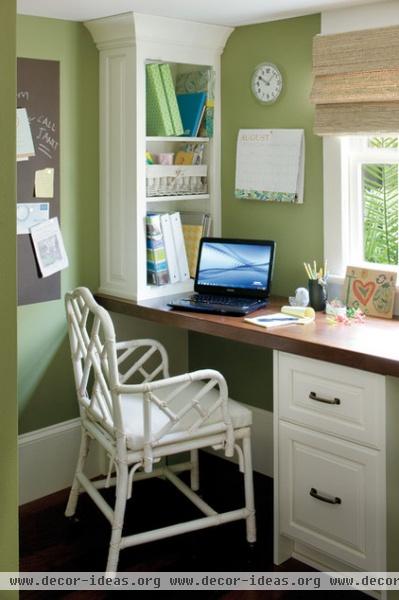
(50, 542)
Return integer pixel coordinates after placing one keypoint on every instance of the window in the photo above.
(372, 199)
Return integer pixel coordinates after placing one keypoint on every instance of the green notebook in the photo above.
(170, 93)
(158, 116)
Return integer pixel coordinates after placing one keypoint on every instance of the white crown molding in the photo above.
(134, 28)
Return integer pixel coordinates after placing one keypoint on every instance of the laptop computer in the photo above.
(233, 277)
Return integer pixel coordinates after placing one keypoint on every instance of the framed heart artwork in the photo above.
(370, 290)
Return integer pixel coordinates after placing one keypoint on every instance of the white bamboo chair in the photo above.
(139, 423)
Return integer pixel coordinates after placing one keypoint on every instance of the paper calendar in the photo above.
(270, 165)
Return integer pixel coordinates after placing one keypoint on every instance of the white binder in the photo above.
(170, 251)
(180, 248)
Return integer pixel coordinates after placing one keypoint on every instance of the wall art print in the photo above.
(370, 290)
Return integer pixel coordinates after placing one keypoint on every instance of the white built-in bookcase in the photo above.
(126, 43)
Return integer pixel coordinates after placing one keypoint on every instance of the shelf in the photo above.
(180, 287)
(174, 198)
(176, 139)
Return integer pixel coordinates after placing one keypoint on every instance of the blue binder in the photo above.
(191, 108)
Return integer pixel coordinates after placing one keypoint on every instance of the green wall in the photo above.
(297, 229)
(45, 384)
(8, 323)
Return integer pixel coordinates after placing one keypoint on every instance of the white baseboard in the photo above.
(47, 459)
(262, 441)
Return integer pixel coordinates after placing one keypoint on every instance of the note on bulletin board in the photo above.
(270, 165)
(25, 147)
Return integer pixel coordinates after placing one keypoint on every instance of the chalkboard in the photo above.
(38, 90)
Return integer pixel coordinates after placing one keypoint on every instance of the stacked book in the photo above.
(188, 112)
(172, 245)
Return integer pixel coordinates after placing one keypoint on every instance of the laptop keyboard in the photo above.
(221, 300)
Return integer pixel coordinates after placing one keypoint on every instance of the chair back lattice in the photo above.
(101, 365)
(91, 336)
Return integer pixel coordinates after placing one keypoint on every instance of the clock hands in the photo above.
(267, 81)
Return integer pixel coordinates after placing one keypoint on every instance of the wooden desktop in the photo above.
(372, 346)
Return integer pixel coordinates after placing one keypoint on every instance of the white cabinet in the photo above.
(335, 478)
(126, 44)
(330, 496)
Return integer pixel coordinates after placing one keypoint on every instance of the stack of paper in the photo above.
(289, 315)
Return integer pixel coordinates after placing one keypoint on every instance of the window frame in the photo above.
(343, 203)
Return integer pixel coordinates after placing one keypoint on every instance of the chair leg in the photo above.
(194, 474)
(119, 513)
(74, 493)
(249, 491)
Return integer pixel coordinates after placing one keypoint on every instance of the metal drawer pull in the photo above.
(325, 498)
(314, 396)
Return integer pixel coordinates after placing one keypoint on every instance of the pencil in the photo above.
(308, 273)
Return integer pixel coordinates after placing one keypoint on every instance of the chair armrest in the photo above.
(200, 375)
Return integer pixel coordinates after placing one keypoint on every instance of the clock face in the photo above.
(266, 83)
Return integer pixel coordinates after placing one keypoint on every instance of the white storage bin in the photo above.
(176, 180)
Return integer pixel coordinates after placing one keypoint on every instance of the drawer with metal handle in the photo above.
(328, 495)
(338, 400)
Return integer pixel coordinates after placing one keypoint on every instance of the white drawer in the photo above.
(332, 496)
(332, 398)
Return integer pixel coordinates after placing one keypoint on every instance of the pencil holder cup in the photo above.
(317, 295)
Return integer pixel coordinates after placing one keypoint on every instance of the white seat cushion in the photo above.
(133, 416)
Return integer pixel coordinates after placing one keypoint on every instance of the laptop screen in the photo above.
(235, 267)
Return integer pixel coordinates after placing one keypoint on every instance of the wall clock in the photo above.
(266, 83)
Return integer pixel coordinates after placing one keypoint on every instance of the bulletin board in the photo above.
(38, 90)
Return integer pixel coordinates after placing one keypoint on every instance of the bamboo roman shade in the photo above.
(356, 82)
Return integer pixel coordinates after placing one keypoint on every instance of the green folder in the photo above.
(170, 93)
(158, 116)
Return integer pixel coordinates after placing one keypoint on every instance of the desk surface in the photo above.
(372, 346)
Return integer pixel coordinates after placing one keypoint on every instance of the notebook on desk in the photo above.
(233, 277)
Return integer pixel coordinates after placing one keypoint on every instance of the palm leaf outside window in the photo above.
(380, 207)
(380, 211)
